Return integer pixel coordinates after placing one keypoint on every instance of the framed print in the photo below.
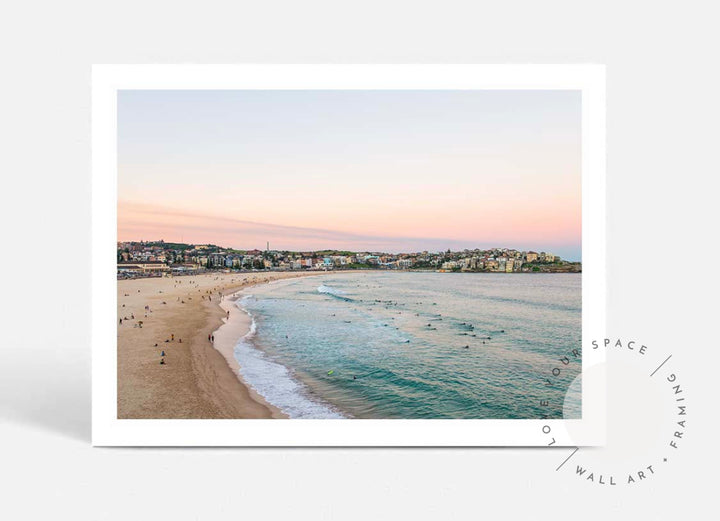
(348, 255)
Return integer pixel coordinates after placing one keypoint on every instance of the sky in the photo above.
(361, 170)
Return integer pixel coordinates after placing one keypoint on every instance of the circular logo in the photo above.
(646, 417)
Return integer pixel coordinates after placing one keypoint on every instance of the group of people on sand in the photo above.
(168, 340)
(132, 317)
(211, 337)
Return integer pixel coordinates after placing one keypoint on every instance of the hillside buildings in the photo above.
(157, 258)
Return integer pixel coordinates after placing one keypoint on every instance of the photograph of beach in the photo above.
(349, 254)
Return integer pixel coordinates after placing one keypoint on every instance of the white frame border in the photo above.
(107, 430)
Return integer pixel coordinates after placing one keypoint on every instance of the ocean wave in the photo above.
(274, 382)
(333, 292)
(244, 300)
(329, 289)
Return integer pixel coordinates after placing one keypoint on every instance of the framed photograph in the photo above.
(348, 255)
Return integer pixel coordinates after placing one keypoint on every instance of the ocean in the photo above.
(384, 345)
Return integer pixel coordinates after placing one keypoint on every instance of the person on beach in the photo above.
(162, 361)
(121, 321)
(209, 338)
(212, 338)
(162, 353)
(172, 337)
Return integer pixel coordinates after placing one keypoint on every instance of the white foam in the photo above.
(274, 382)
(330, 290)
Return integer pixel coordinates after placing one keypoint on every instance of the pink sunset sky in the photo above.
(358, 170)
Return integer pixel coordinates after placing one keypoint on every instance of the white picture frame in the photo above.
(108, 430)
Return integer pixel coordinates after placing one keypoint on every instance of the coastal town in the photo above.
(158, 258)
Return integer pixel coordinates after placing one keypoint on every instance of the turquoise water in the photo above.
(413, 345)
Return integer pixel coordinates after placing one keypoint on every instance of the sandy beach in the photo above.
(199, 378)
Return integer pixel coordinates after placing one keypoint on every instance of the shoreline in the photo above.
(174, 316)
(235, 327)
